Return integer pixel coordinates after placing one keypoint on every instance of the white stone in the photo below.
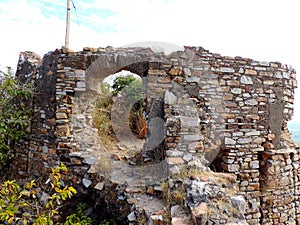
(251, 102)
(187, 122)
(278, 75)
(239, 202)
(264, 63)
(80, 84)
(188, 157)
(246, 95)
(80, 117)
(236, 90)
(171, 153)
(254, 164)
(170, 98)
(253, 133)
(192, 79)
(246, 80)
(75, 154)
(229, 141)
(187, 71)
(45, 149)
(244, 183)
(237, 134)
(192, 137)
(154, 218)
(244, 140)
(233, 168)
(131, 217)
(286, 75)
(79, 89)
(227, 70)
(259, 68)
(175, 210)
(80, 73)
(99, 186)
(86, 182)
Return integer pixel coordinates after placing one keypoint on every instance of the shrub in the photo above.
(130, 87)
(21, 205)
(14, 113)
(79, 218)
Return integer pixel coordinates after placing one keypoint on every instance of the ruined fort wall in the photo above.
(230, 111)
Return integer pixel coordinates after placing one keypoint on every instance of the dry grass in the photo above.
(178, 196)
(141, 125)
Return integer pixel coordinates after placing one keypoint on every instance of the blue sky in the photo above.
(264, 30)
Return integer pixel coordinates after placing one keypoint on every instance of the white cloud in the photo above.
(263, 30)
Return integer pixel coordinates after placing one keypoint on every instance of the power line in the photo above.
(75, 12)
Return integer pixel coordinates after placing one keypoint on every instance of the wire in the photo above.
(75, 13)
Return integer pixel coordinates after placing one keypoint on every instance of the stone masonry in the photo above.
(226, 113)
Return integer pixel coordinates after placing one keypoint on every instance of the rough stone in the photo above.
(170, 98)
(99, 186)
(86, 182)
(239, 202)
(227, 70)
(131, 217)
(199, 214)
(251, 102)
(236, 90)
(229, 141)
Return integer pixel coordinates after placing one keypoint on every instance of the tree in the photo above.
(131, 89)
(14, 113)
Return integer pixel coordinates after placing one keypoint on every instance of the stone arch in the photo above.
(102, 67)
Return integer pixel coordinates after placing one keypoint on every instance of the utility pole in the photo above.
(67, 25)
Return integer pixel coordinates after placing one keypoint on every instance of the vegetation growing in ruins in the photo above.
(103, 109)
(130, 89)
(20, 204)
(14, 113)
(79, 218)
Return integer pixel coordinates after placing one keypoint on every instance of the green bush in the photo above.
(20, 204)
(131, 91)
(131, 87)
(79, 218)
(14, 113)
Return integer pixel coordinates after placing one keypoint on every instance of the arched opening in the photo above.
(129, 113)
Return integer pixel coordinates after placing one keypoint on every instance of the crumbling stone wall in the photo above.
(227, 113)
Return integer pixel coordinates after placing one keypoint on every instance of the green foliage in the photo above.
(21, 204)
(121, 82)
(131, 87)
(14, 113)
(132, 91)
(11, 201)
(79, 218)
(107, 222)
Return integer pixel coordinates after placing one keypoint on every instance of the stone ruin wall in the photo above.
(231, 111)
